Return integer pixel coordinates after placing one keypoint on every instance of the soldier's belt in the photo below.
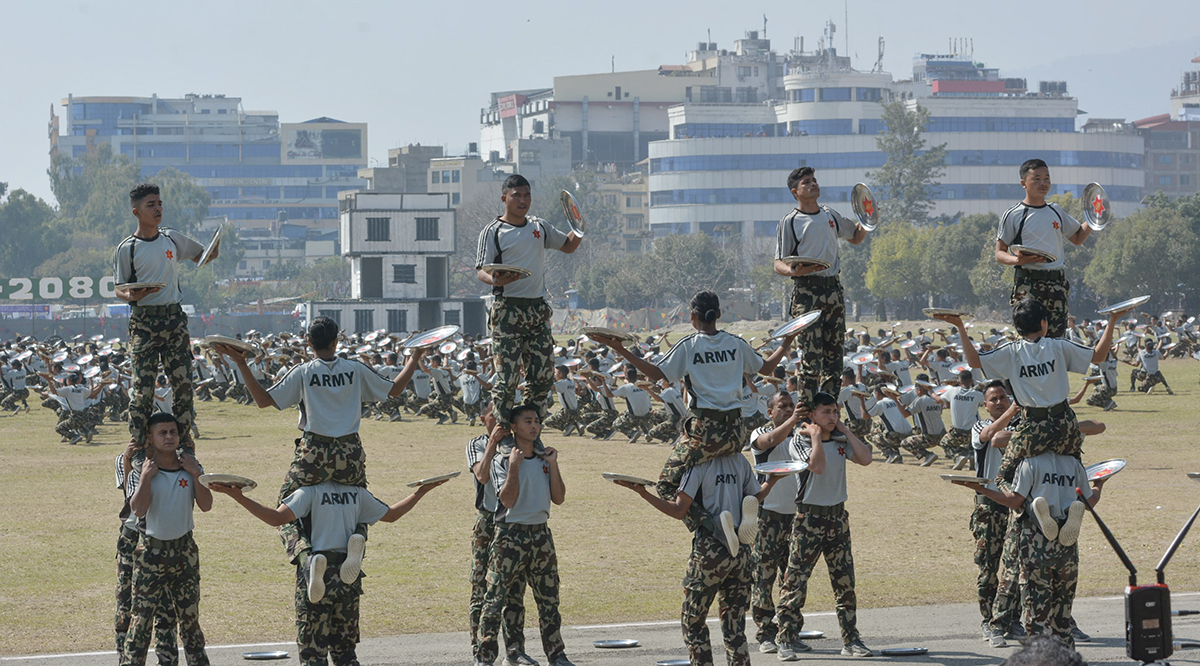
(156, 310)
(817, 281)
(323, 439)
(519, 527)
(820, 510)
(520, 301)
(724, 415)
(489, 516)
(1044, 412)
(333, 558)
(1022, 273)
(170, 544)
(964, 431)
(984, 500)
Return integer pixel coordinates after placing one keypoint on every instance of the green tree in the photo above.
(991, 281)
(907, 183)
(684, 264)
(27, 233)
(1153, 251)
(894, 271)
(951, 252)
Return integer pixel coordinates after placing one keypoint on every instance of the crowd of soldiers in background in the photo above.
(86, 380)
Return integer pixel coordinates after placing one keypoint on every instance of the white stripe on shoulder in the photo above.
(996, 349)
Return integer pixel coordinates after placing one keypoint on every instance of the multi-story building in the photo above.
(253, 166)
(399, 247)
(630, 197)
(724, 169)
(1173, 141)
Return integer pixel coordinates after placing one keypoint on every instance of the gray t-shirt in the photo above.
(172, 494)
(421, 383)
(987, 457)
(566, 393)
(155, 260)
(852, 403)
(889, 412)
(814, 236)
(335, 509)
(964, 406)
(441, 381)
(470, 388)
(533, 501)
(829, 487)
(637, 400)
(330, 394)
(720, 484)
(782, 498)
(1044, 229)
(485, 493)
(525, 247)
(1038, 369)
(928, 414)
(1054, 477)
(713, 365)
(673, 401)
(1149, 360)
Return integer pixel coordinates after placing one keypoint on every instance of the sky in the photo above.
(419, 72)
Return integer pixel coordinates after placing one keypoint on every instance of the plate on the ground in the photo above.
(929, 312)
(431, 338)
(1124, 305)
(1194, 476)
(781, 467)
(798, 324)
(673, 662)
(228, 480)
(262, 656)
(966, 478)
(903, 652)
(810, 635)
(434, 479)
(244, 347)
(607, 332)
(572, 212)
(505, 268)
(126, 286)
(1103, 470)
(613, 476)
(798, 261)
(617, 643)
(211, 250)
(1025, 249)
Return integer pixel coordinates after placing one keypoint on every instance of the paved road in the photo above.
(951, 632)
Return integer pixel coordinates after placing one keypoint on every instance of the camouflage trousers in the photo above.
(1035, 436)
(602, 424)
(1049, 573)
(1149, 381)
(159, 341)
(329, 627)
(1051, 291)
(707, 435)
(1006, 610)
(713, 575)
(390, 406)
(438, 406)
(860, 427)
(237, 392)
(513, 618)
(564, 418)
(814, 536)
(888, 441)
(18, 395)
(1102, 395)
(919, 444)
(752, 422)
(118, 405)
(522, 554)
(319, 459)
(164, 623)
(629, 423)
(820, 345)
(470, 409)
(957, 443)
(770, 559)
(71, 421)
(413, 402)
(668, 428)
(989, 522)
(165, 573)
(521, 338)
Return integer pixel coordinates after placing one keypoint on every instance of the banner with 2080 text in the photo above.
(53, 288)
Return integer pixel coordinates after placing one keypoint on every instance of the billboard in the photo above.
(328, 143)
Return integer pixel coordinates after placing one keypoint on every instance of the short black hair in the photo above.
(1030, 165)
(161, 417)
(521, 409)
(323, 332)
(141, 191)
(513, 182)
(1028, 315)
(965, 375)
(995, 383)
(706, 305)
(779, 395)
(848, 373)
(822, 398)
(798, 173)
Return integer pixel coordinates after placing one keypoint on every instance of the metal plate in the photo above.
(967, 478)
(613, 476)
(448, 347)
(434, 479)
(573, 213)
(904, 652)
(1103, 470)
(262, 656)
(929, 312)
(244, 347)
(1096, 210)
(866, 208)
(861, 394)
(908, 344)
(212, 248)
(960, 367)
(781, 467)
(1124, 305)
(431, 338)
(939, 391)
(797, 261)
(1025, 249)
(617, 643)
(862, 359)
(798, 324)
(91, 372)
(228, 479)
(84, 360)
(673, 662)
(1194, 476)
(810, 635)
(125, 286)
(505, 268)
(607, 332)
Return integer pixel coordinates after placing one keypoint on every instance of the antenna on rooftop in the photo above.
(764, 26)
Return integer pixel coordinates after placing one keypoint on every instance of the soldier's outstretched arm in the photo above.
(406, 373)
(280, 515)
(677, 509)
(405, 505)
(260, 395)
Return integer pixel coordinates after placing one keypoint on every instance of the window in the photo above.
(805, 95)
(404, 273)
(455, 176)
(868, 94)
(364, 321)
(1164, 180)
(1185, 158)
(427, 228)
(377, 229)
(455, 198)
(241, 265)
(335, 315)
(835, 94)
(743, 71)
(610, 199)
(633, 221)
(764, 228)
(633, 202)
(451, 317)
(1164, 159)
(397, 321)
(222, 111)
(266, 263)
(633, 245)
(1185, 179)
(446, 176)
(204, 111)
(437, 177)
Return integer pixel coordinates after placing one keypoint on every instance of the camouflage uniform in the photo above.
(602, 424)
(319, 459)
(989, 522)
(713, 574)
(819, 531)
(564, 418)
(957, 443)
(1049, 573)
(17, 395)
(164, 622)
(668, 428)
(165, 574)
(71, 421)
(627, 423)
(919, 444)
(329, 627)
(887, 441)
(821, 344)
(770, 559)
(1149, 381)
(1006, 609)
(520, 554)
(1051, 291)
(521, 337)
(860, 427)
(391, 406)
(513, 624)
(1102, 395)
(1035, 436)
(707, 434)
(158, 338)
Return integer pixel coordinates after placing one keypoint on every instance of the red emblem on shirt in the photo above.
(842, 451)
(170, 255)
(183, 483)
(537, 234)
(1055, 224)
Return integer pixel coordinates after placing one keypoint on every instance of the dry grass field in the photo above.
(619, 559)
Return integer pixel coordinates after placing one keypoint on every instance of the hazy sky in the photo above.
(421, 71)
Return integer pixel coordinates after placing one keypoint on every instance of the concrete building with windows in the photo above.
(1173, 141)
(628, 194)
(253, 166)
(724, 169)
(399, 247)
